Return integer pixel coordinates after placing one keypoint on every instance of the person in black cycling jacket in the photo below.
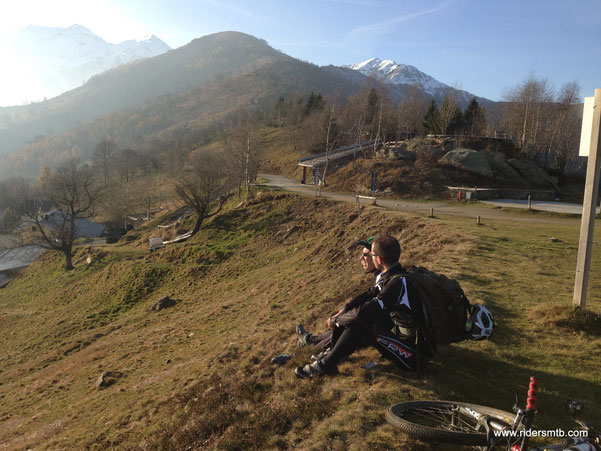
(366, 318)
(324, 339)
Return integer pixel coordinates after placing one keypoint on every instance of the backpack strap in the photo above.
(405, 325)
(423, 331)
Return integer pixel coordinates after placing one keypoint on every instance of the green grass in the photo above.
(199, 375)
(527, 212)
(527, 281)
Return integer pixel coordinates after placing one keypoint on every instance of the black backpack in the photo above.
(445, 302)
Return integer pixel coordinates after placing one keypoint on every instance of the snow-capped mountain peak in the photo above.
(47, 61)
(388, 71)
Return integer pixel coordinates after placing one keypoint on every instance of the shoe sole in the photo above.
(301, 334)
(300, 373)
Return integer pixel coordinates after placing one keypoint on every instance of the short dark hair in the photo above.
(387, 248)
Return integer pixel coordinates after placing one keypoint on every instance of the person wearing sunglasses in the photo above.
(356, 325)
(325, 340)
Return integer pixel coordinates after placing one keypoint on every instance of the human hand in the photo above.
(332, 319)
(331, 322)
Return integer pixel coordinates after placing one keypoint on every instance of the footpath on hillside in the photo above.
(440, 208)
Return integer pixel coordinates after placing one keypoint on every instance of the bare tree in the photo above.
(410, 113)
(354, 118)
(368, 116)
(244, 145)
(9, 214)
(526, 115)
(545, 127)
(330, 125)
(293, 120)
(128, 161)
(71, 192)
(205, 186)
(449, 112)
(566, 127)
(103, 155)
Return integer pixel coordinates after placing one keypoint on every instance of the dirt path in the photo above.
(440, 208)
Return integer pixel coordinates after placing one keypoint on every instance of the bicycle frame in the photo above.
(467, 424)
(523, 421)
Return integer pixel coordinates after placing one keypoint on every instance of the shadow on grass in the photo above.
(502, 311)
(473, 376)
(227, 221)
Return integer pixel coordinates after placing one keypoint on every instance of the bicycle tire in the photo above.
(432, 421)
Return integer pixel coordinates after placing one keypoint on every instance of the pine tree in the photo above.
(474, 119)
(314, 103)
(431, 122)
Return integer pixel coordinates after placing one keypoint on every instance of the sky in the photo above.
(482, 46)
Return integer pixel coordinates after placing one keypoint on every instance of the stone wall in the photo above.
(501, 193)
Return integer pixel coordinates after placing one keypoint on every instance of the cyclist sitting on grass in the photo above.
(324, 340)
(367, 316)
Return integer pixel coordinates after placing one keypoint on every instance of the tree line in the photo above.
(543, 124)
(206, 163)
(202, 178)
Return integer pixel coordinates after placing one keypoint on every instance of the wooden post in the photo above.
(478, 220)
(529, 202)
(589, 208)
(431, 212)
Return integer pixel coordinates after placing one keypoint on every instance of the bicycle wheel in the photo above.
(445, 421)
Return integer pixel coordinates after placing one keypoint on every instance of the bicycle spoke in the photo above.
(450, 419)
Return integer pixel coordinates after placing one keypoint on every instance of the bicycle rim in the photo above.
(444, 421)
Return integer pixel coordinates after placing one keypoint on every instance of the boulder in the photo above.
(395, 153)
(415, 144)
(532, 173)
(447, 144)
(434, 152)
(401, 154)
(104, 380)
(403, 145)
(163, 303)
(501, 167)
(469, 160)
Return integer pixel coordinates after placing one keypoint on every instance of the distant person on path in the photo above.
(367, 316)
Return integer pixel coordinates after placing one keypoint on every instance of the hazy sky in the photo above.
(484, 46)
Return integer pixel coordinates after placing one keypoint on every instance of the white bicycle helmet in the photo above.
(481, 322)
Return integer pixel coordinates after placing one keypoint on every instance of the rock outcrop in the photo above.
(495, 166)
(531, 172)
(501, 167)
(163, 303)
(469, 160)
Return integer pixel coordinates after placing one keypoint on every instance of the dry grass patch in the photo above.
(567, 318)
(241, 286)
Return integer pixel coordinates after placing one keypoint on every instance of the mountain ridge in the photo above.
(395, 74)
(53, 60)
(204, 80)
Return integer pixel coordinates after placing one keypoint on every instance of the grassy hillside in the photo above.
(198, 374)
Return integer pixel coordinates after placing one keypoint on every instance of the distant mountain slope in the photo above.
(391, 73)
(186, 92)
(189, 112)
(202, 61)
(47, 61)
